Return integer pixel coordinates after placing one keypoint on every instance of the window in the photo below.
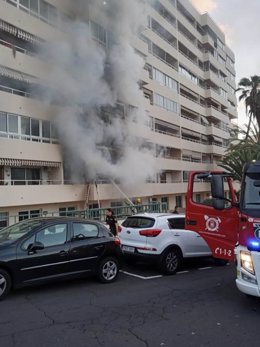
(34, 6)
(25, 125)
(35, 127)
(4, 219)
(12, 123)
(178, 200)
(67, 211)
(3, 122)
(138, 222)
(28, 242)
(24, 3)
(43, 9)
(176, 223)
(165, 80)
(22, 176)
(198, 198)
(53, 235)
(46, 129)
(83, 230)
(165, 103)
(29, 214)
(18, 176)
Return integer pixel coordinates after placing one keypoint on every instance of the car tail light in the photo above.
(150, 232)
(117, 241)
(119, 229)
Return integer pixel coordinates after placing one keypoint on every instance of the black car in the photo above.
(41, 249)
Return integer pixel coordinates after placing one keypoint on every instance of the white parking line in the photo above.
(139, 276)
(159, 276)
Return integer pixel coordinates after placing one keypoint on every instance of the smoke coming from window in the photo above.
(94, 76)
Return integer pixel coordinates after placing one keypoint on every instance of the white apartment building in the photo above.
(188, 85)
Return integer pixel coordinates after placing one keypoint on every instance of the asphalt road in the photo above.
(200, 306)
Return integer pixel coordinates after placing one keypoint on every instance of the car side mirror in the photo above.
(36, 246)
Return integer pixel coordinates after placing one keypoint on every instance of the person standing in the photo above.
(111, 221)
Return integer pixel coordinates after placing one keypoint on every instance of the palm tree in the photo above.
(250, 92)
(242, 150)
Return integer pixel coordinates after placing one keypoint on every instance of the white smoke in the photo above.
(86, 79)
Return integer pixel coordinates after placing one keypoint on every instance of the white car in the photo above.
(162, 238)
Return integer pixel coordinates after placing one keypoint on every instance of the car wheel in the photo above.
(170, 261)
(108, 270)
(5, 283)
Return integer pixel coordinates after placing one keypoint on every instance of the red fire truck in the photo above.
(231, 226)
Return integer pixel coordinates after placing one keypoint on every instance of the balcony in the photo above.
(26, 195)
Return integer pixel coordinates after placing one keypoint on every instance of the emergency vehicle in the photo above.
(230, 225)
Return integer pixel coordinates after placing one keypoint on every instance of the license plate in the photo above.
(128, 249)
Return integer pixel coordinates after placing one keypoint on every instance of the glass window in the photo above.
(18, 230)
(44, 9)
(46, 129)
(83, 230)
(23, 215)
(176, 223)
(67, 211)
(34, 5)
(54, 133)
(33, 176)
(24, 3)
(3, 122)
(138, 222)
(12, 123)
(25, 125)
(178, 200)
(35, 213)
(53, 14)
(28, 242)
(53, 235)
(3, 219)
(35, 127)
(18, 176)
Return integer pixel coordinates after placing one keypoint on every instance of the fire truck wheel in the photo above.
(170, 261)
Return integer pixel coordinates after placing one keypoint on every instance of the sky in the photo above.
(239, 20)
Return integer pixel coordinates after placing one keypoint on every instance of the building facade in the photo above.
(188, 84)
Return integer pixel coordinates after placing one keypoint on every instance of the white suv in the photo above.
(162, 238)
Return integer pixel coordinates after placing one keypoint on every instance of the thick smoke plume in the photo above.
(88, 80)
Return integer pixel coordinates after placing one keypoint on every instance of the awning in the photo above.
(5, 71)
(166, 124)
(25, 162)
(18, 32)
(8, 28)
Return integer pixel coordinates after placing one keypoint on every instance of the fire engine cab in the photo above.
(230, 225)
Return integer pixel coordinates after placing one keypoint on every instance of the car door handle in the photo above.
(63, 253)
(99, 247)
(191, 222)
(177, 234)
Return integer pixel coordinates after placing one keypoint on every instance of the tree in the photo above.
(242, 150)
(250, 92)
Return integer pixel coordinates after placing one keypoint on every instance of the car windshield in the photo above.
(138, 222)
(14, 232)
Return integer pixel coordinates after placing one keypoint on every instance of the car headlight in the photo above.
(246, 262)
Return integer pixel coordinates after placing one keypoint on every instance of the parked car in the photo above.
(160, 238)
(41, 249)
